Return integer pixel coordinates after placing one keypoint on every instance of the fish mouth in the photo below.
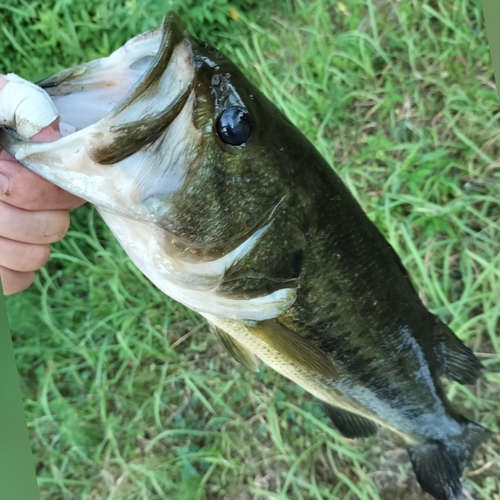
(126, 121)
(126, 90)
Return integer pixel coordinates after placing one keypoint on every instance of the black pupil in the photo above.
(233, 126)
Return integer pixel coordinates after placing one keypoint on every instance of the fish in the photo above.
(227, 208)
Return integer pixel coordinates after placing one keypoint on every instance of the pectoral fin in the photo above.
(300, 351)
(238, 351)
(349, 424)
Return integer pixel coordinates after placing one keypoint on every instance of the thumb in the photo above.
(49, 133)
(24, 106)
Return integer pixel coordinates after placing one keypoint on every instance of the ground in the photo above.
(128, 395)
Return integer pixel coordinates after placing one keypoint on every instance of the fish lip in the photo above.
(172, 33)
(134, 135)
(79, 79)
(171, 24)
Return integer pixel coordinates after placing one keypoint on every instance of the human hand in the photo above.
(33, 214)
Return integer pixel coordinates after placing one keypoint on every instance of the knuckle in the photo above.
(28, 190)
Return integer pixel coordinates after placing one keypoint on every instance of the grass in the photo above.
(127, 394)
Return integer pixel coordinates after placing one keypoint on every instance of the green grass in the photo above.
(127, 394)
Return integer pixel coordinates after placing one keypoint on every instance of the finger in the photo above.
(23, 256)
(50, 133)
(18, 185)
(24, 189)
(15, 281)
(25, 106)
(39, 227)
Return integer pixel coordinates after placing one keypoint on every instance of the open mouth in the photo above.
(137, 91)
(113, 111)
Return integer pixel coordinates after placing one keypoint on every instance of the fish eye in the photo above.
(233, 126)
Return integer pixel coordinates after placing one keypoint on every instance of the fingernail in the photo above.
(4, 185)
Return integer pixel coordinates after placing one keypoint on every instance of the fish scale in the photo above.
(317, 385)
(256, 232)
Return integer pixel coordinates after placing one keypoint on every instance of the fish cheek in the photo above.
(223, 197)
(275, 263)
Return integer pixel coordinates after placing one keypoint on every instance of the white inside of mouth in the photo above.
(105, 83)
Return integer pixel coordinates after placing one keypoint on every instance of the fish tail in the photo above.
(438, 465)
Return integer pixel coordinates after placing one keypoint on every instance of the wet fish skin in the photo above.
(378, 352)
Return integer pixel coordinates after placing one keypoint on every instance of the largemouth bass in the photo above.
(226, 207)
